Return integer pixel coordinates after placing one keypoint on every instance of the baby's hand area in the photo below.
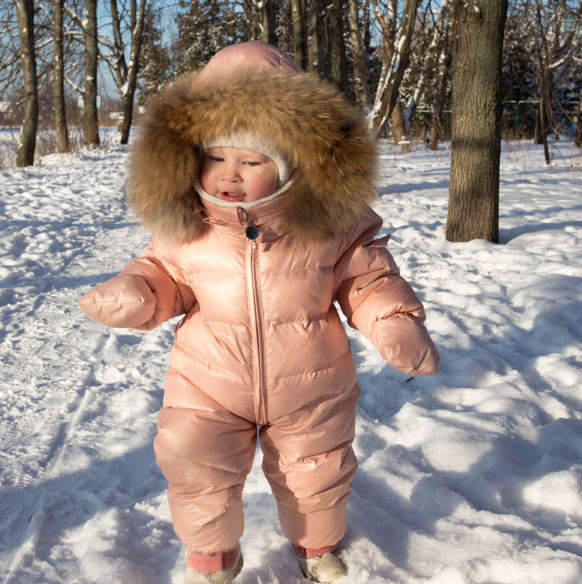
(125, 301)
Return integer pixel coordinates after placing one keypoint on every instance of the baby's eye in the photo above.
(252, 163)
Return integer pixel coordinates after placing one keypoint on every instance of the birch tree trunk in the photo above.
(392, 74)
(27, 138)
(59, 81)
(476, 131)
(91, 115)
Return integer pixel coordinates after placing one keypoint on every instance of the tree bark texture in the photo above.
(473, 211)
(286, 34)
(337, 48)
(300, 52)
(91, 113)
(315, 37)
(27, 138)
(59, 81)
(359, 57)
(398, 124)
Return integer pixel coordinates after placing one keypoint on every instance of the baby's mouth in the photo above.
(232, 197)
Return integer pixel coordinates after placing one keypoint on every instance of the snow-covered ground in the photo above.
(471, 476)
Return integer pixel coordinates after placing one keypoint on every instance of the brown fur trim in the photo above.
(306, 119)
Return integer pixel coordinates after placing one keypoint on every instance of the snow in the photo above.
(472, 476)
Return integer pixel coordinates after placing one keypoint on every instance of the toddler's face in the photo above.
(236, 175)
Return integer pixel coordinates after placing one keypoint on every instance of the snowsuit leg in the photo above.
(309, 463)
(206, 453)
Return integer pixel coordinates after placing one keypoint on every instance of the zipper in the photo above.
(257, 341)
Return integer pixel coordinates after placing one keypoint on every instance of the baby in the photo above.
(256, 180)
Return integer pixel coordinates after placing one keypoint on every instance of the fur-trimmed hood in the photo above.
(307, 120)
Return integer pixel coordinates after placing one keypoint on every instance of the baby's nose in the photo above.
(230, 173)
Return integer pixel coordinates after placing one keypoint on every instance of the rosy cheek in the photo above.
(206, 181)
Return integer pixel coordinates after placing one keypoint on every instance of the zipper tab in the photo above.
(251, 231)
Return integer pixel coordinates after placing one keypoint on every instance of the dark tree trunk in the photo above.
(60, 110)
(398, 124)
(315, 37)
(27, 139)
(286, 36)
(269, 20)
(91, 113)
(299, 49)
(337, 48)
(542, 126)
(476, 129)
(436, 119)
(359, 57)
(579, 124)
(128, 85)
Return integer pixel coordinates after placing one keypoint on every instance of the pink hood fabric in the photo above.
(260, 337)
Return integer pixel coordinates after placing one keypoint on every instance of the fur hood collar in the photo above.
(321, 134)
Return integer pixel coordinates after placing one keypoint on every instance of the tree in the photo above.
(358, 49)
(393, 70)
(558, 24)
(315, 37)
(27, 139)
(91, 113)
(299, 48)
(473, 211)
(155, 68)
(578, 140)
(337, 46)
(441, 84)
(203, 29)
(126, 72)
(542, 62)
(269, 21)
(439, 35)
(59, 80)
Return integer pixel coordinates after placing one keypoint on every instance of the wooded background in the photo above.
(395, 59)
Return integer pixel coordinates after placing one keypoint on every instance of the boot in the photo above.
(326, 567)
(219, 569)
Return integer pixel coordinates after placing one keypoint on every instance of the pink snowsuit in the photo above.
(261, 343)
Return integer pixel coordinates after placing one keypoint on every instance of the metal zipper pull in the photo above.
(251, 231)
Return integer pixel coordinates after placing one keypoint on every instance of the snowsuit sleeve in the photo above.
(147, 292)
(381, 304)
